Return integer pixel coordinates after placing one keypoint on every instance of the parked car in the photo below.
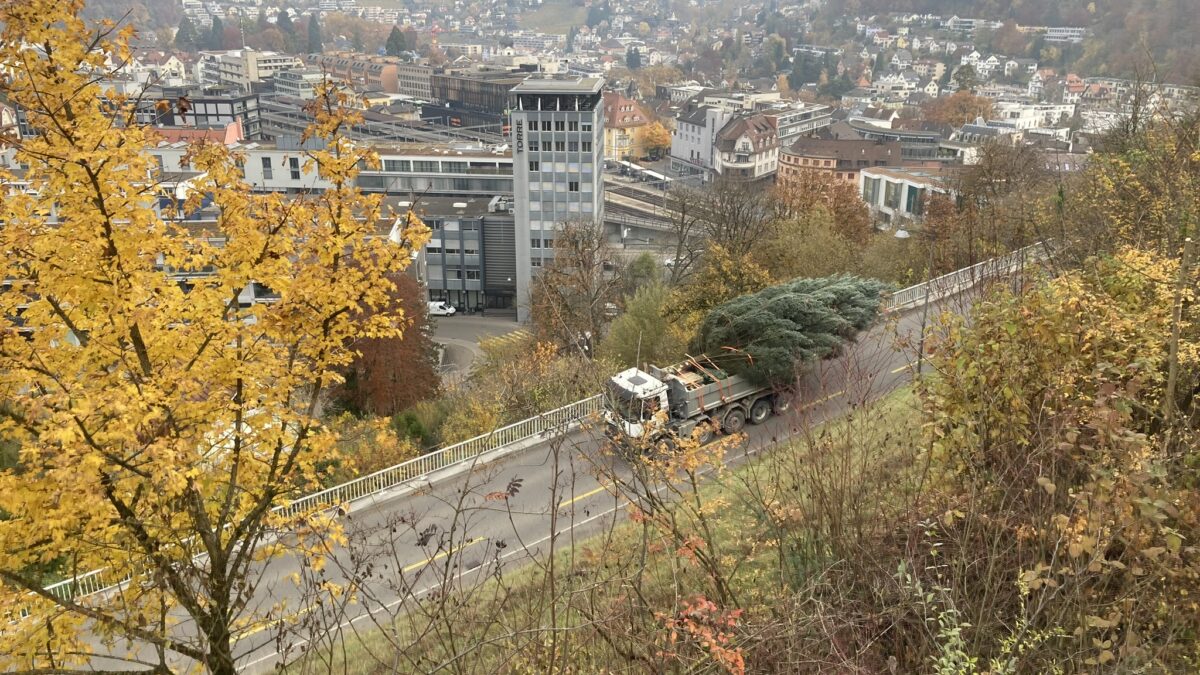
(441, 308)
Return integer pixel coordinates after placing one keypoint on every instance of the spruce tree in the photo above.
(314, 35)
(764, 336)
(216, 34)
(396, 44)
(633, 58)
(187, 38)
(284, 22)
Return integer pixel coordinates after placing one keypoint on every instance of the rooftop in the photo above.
(543, 85)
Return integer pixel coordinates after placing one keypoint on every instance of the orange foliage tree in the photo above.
(957, 109)
(392, 373)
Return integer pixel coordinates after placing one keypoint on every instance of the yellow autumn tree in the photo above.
(654, 138)
(161, 424)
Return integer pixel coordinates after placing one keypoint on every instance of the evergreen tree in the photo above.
(187, 38)
(284, 22)
(966, 78)
(633, 58)
(764, 336)
(216, 35)
(571, 39)
(314, 35)
(396, 44)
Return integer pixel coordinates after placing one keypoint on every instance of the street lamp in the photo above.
(902, 233)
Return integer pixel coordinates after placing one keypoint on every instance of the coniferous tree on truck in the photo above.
(748, 353)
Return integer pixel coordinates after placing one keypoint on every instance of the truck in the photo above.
(694, 393)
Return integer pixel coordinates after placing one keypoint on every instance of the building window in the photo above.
(433, 249)
(891, 195)
(396, 165)
(560, 125)
(473, 274)
(535, 165)
(425, 166)
(573, 186)
(587, 146)
(470, 251)
(534, 146)
(572, 126)
(560, 146)
(545, 125)
(587, 126)
(871, 191)
(572, 146)
(294, 167)
(535, 242)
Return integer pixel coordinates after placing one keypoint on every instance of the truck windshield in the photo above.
(632, 409)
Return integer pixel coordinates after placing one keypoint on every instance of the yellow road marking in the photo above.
(443, 554)
(583, 496)
(274, 622)
(828, 398)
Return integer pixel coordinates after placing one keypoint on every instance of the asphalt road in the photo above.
(457, 530)
(460, 335)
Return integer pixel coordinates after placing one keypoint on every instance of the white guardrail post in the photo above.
(559, 419)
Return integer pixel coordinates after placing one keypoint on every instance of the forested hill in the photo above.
(1127, 34)
(148, 16)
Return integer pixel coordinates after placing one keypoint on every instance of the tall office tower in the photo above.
(557, 130)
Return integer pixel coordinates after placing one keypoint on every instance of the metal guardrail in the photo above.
(960, 280)
(543, 425)
(98, 581)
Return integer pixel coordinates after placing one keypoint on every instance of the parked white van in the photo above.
(441, 308)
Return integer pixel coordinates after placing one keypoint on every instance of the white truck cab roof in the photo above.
(638, 383)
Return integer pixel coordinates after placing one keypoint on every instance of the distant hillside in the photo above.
(147, 15)
(1127, 33)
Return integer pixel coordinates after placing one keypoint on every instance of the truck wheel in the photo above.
(760, 411)
(734, 421)
(782, 403)
(706, 433)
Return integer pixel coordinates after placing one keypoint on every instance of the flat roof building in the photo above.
(557, 140)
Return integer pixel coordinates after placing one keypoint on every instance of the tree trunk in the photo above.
(220, 646)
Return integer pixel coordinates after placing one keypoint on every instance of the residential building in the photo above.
(798, 119)
(1072, 34)
(876, 117)
(201, 107)
(695, 137)
(298, 83)
(623, 121)
(843, 159)
(981, 132)
(412, 79)
(361, 71)
(747, 149)
(558, 161)
(242, 68)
